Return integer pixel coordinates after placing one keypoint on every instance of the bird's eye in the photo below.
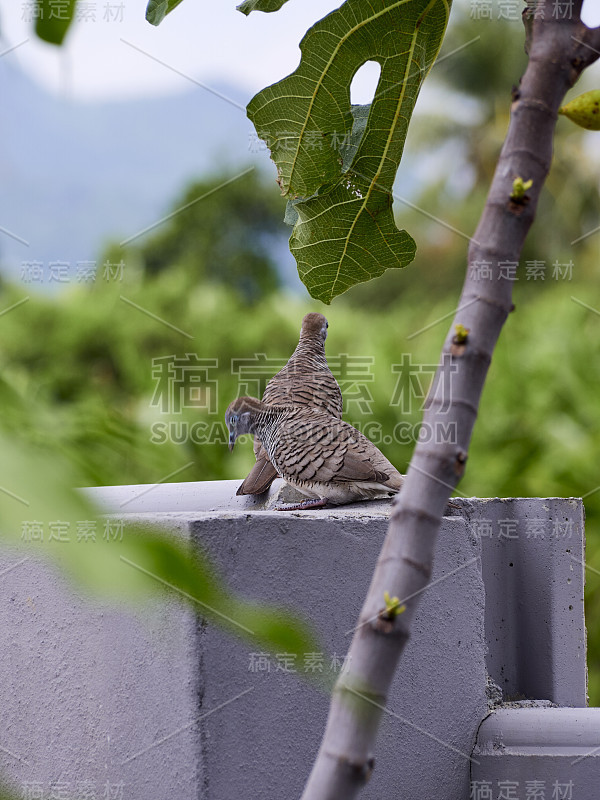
(233, 418)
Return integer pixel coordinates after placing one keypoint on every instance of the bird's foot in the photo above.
(318, 502)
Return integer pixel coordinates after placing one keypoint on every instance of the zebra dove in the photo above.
(306, 380)
(323, 457)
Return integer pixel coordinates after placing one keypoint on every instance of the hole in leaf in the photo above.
(364, 83)
(590, 13)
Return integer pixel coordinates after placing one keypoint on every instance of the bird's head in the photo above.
(314, 325)
(239, 417)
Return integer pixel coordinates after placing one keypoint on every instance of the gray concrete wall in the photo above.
(533, 571)
(83, 686)
(165, 705)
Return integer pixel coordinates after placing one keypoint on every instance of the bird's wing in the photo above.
(262, 474)
(360, 467)
(315, 447)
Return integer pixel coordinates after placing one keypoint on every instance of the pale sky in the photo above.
(208, 40)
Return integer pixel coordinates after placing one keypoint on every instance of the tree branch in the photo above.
(591, 41)
(559, 50)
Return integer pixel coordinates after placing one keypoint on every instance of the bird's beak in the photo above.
(231, 441)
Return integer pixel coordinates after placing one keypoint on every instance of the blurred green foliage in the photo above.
(225, 231)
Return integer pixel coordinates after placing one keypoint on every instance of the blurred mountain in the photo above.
(74, 174)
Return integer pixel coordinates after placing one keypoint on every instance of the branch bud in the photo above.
(519, 188)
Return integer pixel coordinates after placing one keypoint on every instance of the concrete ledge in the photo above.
(559, 748)
(209, 496)
(532, 553)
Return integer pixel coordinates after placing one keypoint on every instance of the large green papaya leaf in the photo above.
(345, 237)
(336, 162)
